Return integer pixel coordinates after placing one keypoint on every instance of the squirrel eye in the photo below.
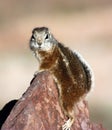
(33, 37)
(47, 36)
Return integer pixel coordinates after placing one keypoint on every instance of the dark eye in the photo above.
(47, 36)
(33, 37)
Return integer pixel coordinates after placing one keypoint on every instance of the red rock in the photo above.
(38, 109)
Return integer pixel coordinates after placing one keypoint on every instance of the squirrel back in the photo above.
(88, 70)
(77, 59)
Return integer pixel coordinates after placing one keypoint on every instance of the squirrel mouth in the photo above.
(34, 46)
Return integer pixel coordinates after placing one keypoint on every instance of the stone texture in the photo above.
(38, 109)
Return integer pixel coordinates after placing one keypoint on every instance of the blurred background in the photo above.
(83, 25)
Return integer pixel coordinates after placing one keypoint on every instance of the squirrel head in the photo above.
(41, 39)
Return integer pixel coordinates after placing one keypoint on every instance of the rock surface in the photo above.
(38, 109)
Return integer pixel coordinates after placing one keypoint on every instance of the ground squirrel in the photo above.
(69, 70)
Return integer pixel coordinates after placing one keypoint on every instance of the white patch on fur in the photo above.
(67, 64)
(34, 45)
(46, 46)
(88, 67)
(58, 84)
(36, 55)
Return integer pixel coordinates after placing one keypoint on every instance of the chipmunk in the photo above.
(70, 71)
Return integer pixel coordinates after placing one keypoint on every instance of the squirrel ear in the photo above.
(49, 31)
(33, 31)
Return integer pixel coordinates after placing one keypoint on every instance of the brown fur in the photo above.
(71, 90)
(72, 76)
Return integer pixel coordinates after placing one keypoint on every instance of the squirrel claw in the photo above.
(67, 125)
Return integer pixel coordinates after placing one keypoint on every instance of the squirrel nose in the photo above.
(39, 40)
